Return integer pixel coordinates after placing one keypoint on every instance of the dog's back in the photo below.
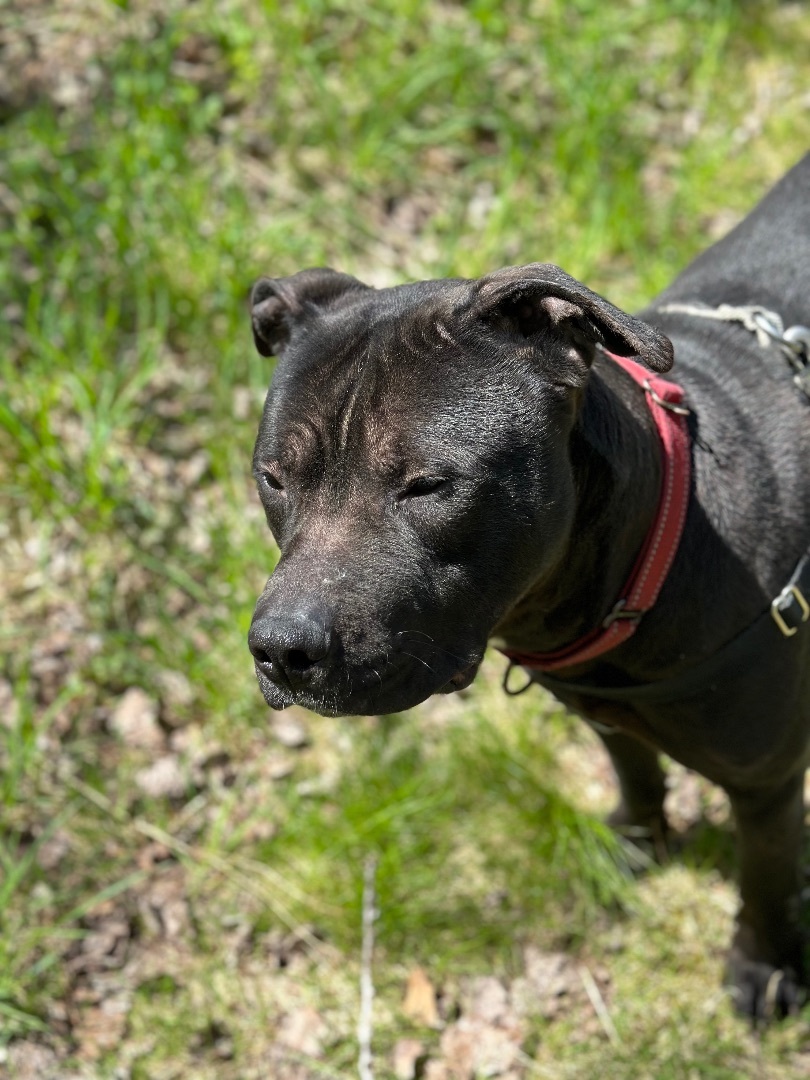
(764, 260)
(752, 423)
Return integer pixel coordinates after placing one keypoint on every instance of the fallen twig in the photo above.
(364, 1022)
(599, 1006)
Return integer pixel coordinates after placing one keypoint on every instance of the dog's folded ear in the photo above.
(277, 303)
(540, 296)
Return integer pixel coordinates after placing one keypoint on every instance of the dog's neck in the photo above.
(616, 459)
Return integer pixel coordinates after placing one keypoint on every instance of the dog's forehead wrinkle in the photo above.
(311, 416)
(300, 442)
(356, 388)
(364, 405)
(382, 421)
(445, 333)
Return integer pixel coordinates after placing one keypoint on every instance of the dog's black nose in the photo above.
(289, 647)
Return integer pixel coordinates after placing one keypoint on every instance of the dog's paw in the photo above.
(760, 990)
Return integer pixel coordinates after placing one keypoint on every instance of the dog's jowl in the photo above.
(449, 462)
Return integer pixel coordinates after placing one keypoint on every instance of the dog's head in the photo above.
(413, 463)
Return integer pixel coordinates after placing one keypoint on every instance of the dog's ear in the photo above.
(540, 296)
(276, 303)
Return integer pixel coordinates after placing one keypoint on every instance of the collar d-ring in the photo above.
(511, 666)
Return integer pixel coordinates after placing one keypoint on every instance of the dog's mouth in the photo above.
(461, 680)
(365, 693)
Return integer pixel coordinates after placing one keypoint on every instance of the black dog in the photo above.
(450, 461)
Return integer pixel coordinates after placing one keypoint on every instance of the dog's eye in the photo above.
(423, 485)
(271, 480)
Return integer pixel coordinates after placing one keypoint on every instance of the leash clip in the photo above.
(794, 342)
(798, 338)
(768, 322)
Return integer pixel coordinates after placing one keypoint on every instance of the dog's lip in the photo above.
(276, 697)
(363, 697)
(461, 680)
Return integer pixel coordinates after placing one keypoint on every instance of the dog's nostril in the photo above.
(298, 660)
(260, 654)
(262, 657)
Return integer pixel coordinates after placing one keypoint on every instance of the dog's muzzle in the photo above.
(301, 659)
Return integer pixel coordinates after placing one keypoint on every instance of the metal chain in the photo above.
(768, 327)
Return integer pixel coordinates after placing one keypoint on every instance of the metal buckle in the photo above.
(681, 410)
(620, 611)
(796, 593)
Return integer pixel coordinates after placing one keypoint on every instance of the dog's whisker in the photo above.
(420, 660)
(431, 644)
(401, 633)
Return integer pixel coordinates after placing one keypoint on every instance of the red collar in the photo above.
(658, 551)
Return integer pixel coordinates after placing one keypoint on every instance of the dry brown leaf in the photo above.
(277, 766)
(290, 730)
(101, 1029)
(420, 999)
(134, 720)
(472, 1048)
(550, 982)
(103, 948)
(29, 1060)
(279, 1066)
(303, 1031)
(177, 694)
(152, 854)
(438, 1070)
(165, 779)
(164, 907)
(487, 999)
(405, 1058)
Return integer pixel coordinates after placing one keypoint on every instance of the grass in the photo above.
(160, 158)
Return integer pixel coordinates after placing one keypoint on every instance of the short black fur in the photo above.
(450, 462)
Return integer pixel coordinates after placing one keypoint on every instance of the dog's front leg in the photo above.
(766, 965)
(640, 812)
